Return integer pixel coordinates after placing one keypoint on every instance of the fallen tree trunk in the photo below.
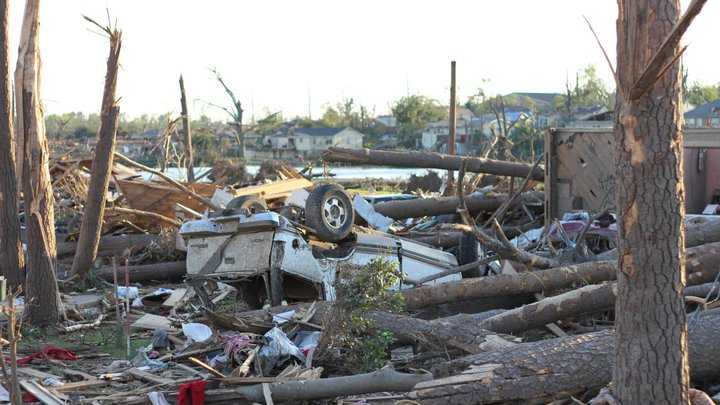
(424, 207)
(555, 367)
(385, 379)
(146, 272)
(111, 245)
(510, 284)
(588, 299)
(702, 264)
(461, 333)
(698, 231)
(431, 160)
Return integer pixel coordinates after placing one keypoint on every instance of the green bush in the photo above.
(349, 334)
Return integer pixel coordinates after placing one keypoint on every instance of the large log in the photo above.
(511, 284)
(383, 380)
(431, 160)
(555, 367)
(111, 245)
(702, 263)
(423, 207)
(588, 299)
(698, 231)
(146, 272)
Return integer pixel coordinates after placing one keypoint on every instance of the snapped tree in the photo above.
(651, 358)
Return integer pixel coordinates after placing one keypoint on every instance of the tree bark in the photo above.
(555, 367)
(385, 379)
(423, 207)
(43, 299)
(11, 253)
(703, 263)
(506, 284)
(588, 299)
(147, 272)
(102, 164)
(110, 245)
(187, 135)
(430, 160)
(651, 353)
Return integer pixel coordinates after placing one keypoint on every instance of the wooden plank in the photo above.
(41, 375)
(175, 297)
(43, 394)
(483, 373)
(200, 363)
(275, 189)
(148, 377)
(152, 322)
(81, 385)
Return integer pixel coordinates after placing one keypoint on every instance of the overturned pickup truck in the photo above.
(272, 259)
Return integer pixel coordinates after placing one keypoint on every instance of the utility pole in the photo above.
(452, 122)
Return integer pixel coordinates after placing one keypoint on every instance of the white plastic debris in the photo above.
(367, 212)
(197, 332)
(129, 292)
(4, 394)
(283, 317)
(298, 198)
(157, 398)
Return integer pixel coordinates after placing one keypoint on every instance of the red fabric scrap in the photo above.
(192, 393)
(49, 352)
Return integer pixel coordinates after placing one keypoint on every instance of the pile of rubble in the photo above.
(225, 294)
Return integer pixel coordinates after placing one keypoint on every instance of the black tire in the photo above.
(329, 211)
(467, 252)
(249, 203)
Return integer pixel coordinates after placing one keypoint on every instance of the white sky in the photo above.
(273, 52)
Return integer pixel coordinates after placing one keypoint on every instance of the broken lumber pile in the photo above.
(431, 160)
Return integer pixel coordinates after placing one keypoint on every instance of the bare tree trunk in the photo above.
(102, 164)
(187, 135)
(11, 253)
(43, 298)
(651, 352)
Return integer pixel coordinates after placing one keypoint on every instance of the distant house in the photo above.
(704, 116)
(542, 101)
(386, 121)
(437, 133)
(310, 142)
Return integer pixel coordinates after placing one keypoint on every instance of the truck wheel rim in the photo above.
(334, 213)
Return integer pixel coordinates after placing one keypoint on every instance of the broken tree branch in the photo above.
(504, 249)
(665, 56)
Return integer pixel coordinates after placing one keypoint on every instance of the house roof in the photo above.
(704, 111)
(543, 97)
(319, 131)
